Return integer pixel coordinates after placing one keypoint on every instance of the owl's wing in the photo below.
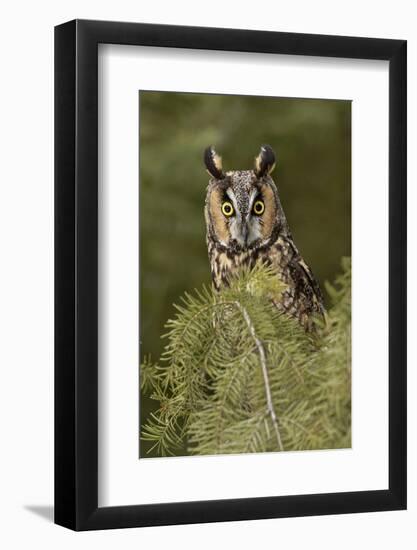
(318, 296)
(306, 275)
(302, 298)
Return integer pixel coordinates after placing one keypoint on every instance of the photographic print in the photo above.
(245, 274)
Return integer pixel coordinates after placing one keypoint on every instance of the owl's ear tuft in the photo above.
(213, 163)
(265, 161)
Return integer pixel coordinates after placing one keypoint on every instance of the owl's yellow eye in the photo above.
(227, 209)
(258, 207)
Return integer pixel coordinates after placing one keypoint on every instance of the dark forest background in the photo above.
(312, 141)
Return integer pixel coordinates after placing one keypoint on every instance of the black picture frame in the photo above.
(76, 272)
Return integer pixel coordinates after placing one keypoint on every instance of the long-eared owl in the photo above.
(246, 224)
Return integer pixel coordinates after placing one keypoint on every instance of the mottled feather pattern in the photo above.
(244, 238)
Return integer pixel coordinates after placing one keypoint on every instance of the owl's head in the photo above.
(242, 207)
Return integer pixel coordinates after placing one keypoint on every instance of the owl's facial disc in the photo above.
(242, 212)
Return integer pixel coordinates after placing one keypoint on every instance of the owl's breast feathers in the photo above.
(302, 298)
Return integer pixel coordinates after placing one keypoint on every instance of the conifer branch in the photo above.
(236, 375)
(262, 358)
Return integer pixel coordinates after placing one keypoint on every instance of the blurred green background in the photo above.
(312, 141)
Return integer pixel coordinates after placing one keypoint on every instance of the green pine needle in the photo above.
(238, 376)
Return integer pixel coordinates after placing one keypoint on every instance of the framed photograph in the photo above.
(230, 255)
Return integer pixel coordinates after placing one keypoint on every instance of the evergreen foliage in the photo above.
(237, 376)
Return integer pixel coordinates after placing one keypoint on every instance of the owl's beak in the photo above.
(245, 232)
(242, 233)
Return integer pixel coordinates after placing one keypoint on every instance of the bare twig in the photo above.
(262, 357)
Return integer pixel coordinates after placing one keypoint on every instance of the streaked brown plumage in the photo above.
(246, 224)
